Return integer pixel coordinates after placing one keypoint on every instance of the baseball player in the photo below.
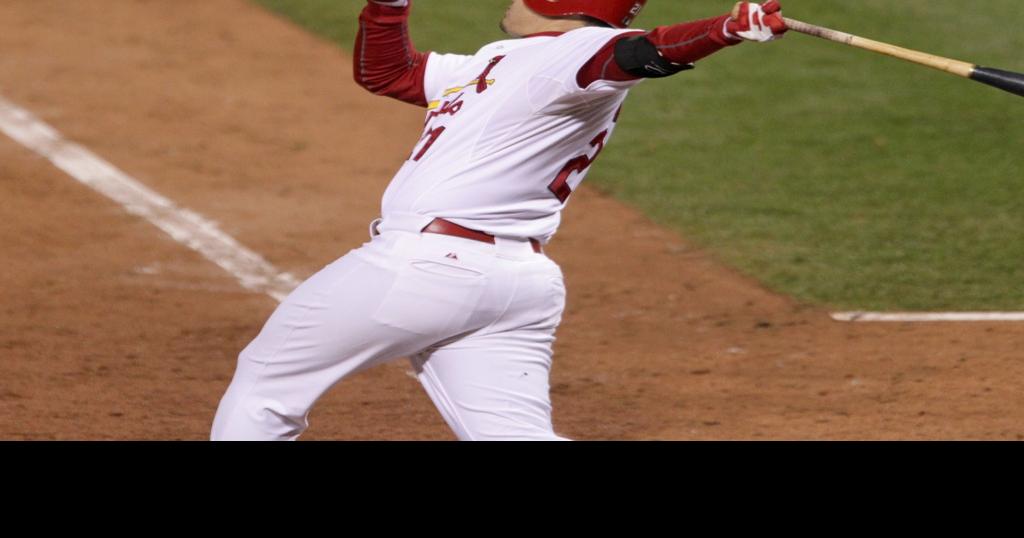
(454, 275)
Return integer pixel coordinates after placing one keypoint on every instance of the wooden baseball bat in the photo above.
(1004, 80)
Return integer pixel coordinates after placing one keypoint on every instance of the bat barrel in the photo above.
(1004, 80)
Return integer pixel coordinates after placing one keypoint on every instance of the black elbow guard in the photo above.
(640, 58)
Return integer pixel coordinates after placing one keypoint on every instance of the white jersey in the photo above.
(509, 134)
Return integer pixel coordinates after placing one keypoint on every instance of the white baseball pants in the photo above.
(476, 320)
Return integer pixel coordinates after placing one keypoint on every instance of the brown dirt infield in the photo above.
(110, 330)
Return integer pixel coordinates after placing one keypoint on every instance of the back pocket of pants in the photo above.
(432, 298)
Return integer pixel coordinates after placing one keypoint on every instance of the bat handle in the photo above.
(819, 31)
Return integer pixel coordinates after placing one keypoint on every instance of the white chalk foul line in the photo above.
(928, 316)
(184, 226)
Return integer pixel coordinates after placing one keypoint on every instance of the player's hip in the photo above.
(487, 282)
(475, 239)
(505, 261)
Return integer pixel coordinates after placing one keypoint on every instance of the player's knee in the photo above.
(283, 425)
(511, 432)
(259, 419)
(249, 412)
(540, 436)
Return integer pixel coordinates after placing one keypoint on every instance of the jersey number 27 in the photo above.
(560, 186)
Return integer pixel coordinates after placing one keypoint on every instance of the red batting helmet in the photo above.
(618, 13)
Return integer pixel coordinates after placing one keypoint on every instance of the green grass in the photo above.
(831, 174)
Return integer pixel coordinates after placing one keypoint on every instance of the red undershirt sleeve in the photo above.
(386, 63)
(682, 44)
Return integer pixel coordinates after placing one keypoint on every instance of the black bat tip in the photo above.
(1004, 80)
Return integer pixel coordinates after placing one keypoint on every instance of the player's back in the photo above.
(508, 134)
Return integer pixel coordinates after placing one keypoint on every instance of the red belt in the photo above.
(446, 227)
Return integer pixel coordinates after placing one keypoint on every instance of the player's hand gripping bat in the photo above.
(1004, 80)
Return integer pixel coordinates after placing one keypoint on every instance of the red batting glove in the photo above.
(756, 22)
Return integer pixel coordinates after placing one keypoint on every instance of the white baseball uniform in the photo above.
(501, 155)
(508, 134)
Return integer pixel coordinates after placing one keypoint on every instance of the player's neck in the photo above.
(546, 27)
